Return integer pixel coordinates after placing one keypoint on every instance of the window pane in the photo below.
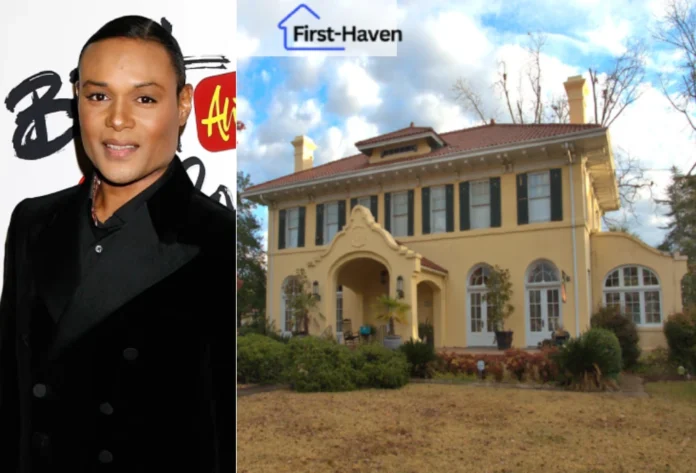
(553, 307)
(480, 216)
(630, 275)
(400, 203)
(364, 201)
(649, 278)
(438, 222)
(540, 209)
(539, 185)
(652, 307)
(632, 300)
(480, 193)
(535, 324)
(292, 238)
(613, 299)
(613, 279)
(437, 199)
(330, 230)
(476, 320)
(400, 226)
(293, 218)
(332, 213)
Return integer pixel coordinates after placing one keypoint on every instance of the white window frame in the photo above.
(551, 284)
(289, 213)
(394, 216)
(286, 312)
(436, 212)
(487, 336)
(330, 228)
(474, 223)
(540, 198)
(622, 289)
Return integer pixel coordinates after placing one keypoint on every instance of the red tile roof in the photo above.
(412, 130)
(468, 139)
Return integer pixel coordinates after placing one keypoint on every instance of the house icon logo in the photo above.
(283, 26)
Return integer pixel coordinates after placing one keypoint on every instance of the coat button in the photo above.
(130, 354)
(106, 456)
(40, 390)
(106, 408)
(98, 248)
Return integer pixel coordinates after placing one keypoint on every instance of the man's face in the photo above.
(130, 114)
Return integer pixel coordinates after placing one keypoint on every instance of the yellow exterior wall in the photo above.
(511, 246)
(613, 249)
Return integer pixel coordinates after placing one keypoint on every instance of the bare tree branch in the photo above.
(471, 99)
(502, 84)
(632, 182)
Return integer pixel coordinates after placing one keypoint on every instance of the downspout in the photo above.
(568, 148)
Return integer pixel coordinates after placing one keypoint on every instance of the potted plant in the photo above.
(392, 310)
(303, 302)
(497, 297)
(560, 336)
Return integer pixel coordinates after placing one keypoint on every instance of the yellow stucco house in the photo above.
(425, 215)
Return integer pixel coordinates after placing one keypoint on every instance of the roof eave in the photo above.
(366, 148)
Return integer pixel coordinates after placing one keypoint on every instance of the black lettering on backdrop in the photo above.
(221, 192)
(30, 139)
(198, 62)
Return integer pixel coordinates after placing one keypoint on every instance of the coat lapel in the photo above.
(125, 273)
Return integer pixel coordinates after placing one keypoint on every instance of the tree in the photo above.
(611, 92)
(677, 30)
(392, 310)
(251, 258)
(681, 230)
(498, 295)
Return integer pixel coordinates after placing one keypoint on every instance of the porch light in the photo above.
(400, 287)
(315, 290)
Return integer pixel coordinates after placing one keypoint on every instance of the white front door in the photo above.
(543, 314)
(479, 333)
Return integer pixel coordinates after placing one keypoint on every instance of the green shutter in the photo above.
(495, 201)
(281, 229)
(556, 195)
(319, 240)
(449, 200)
(341, 214)
(425, 198)
(464, 220)
(373, 206)
(410, 212)
(522, 203)
(353, 203)
(387, 211)
(301, 231)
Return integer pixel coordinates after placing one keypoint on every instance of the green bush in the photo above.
(594, 357)
(260, 359)
(680, 331)
(319, 365)
(625, 330)
(419, 356)
(379, 367)
(426, 332)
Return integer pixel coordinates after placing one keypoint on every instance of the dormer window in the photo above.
(399, 150)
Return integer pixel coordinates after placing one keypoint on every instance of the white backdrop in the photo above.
(43, 38)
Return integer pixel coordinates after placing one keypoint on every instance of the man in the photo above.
(113, 353)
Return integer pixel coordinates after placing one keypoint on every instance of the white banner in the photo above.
(44, 39)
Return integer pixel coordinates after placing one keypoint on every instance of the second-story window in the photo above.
(480, 204)
(292, 228)
(399, 214)
(539, 189)
(438, 210)
(364, 201)
(330, 221)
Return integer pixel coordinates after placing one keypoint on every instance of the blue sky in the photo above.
(338, 101)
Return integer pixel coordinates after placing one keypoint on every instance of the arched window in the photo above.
(480, 330)
(543, 308)
(636, 292)
(291, 287)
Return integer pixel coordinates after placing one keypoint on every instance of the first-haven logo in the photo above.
(312, 39)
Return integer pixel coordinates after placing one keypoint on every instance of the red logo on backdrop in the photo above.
(215, 102)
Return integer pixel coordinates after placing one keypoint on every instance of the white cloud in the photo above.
(265, 76)
(611, 34)
(288, 118)
(246, 45)
(340, 142)
(352, 89)
(436, 111)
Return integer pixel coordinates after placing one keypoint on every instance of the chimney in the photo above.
(304, 152)
(576, 88)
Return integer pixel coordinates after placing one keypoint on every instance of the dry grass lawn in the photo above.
(457, 428)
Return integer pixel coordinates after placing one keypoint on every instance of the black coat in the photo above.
(134, 372)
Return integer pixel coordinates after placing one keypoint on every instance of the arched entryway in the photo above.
(357, 283)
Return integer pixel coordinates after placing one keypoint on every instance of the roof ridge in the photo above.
(588, 125)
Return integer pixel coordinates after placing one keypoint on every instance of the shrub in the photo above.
(318, 365)
(260, 359)
(517, 362)
(625, 330)
(591, 360)
(419, 356)
(426, 332)
(680, 331)
(543, 365)
(379, 367)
